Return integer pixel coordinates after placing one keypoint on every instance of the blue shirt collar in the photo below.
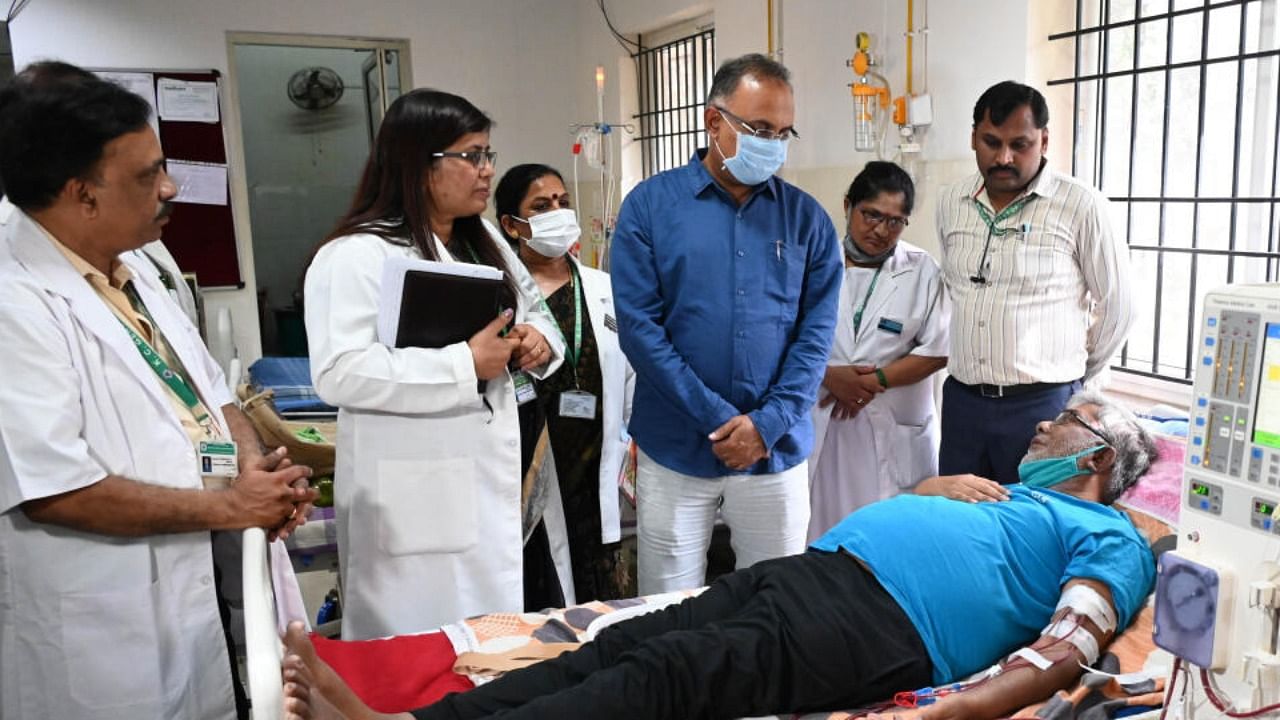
(701, 179)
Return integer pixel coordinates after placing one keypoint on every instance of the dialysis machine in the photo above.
(1218, 594)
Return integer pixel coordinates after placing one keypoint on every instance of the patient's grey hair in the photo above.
(1135, 450)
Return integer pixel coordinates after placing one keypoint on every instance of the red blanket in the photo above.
(396, 674)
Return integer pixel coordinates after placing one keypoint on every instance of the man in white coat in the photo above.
(110, 406)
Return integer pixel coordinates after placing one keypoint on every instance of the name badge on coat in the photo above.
(888, 325)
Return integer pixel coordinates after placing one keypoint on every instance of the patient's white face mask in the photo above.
(552, 232)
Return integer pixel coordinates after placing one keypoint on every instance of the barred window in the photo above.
(673, 80)
(1175, 119)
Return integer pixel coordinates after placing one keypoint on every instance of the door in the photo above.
(308, 113)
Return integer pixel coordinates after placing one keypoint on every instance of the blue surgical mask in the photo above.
(756, 159)
(1052, 471)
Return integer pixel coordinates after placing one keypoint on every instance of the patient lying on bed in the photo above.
(913, 591)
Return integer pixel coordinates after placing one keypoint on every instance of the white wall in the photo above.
(971, 46)
(531, 66)
(506, 56)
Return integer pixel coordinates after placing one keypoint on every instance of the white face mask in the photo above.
(553, 232)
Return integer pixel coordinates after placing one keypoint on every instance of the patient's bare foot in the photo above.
(301, 700)
(318, 692)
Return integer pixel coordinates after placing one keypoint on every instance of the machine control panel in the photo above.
(1205, 496)
(1233, 441)
(1261, 517)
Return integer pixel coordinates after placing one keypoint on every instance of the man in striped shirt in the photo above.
(1036, 277)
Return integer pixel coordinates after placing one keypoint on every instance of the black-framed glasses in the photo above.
(477, 158)
(873, 218)
(1069, 414)
(786, 134)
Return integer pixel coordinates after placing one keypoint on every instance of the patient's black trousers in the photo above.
(803, 633)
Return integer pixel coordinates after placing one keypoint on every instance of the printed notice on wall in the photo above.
(187, 100)
(199, 183)
(139, 83)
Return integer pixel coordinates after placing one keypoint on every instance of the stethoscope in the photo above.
(980, 278)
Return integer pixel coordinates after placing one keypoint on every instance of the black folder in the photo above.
(438, 309)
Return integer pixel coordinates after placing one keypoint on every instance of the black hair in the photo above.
(879, 177)
(1001, 99)
(758, 66)
(512, 188)
(55, 122)
(392, 199)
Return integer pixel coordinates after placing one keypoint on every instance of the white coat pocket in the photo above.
(110, 665)
(917, 457)
(427, 507)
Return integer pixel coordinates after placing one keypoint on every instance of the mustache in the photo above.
(1003, 168)
(166, 209)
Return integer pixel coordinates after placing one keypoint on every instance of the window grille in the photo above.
(673, 80)
(1175, 119)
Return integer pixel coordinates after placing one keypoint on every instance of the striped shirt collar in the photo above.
(1044, 184)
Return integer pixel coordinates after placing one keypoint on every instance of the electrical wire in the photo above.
(631, 46)
(16, 7)
(1211, 691)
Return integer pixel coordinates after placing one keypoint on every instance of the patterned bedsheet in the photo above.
(508, 632)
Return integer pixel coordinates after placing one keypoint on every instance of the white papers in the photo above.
(141, 84)
(188, 100)
(393, 272)
(199, 183)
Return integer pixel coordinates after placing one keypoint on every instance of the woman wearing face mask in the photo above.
(587, 400)
(875, 428)
(428, 483)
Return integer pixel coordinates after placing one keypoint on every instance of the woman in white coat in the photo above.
(586, 401)
(875, 425)
(427, 484)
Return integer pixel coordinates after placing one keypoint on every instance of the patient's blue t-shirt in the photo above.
(980, 580)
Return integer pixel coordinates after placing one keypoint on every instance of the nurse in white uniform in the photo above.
(875, 423)
(427, 485)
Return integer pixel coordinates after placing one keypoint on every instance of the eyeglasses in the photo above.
(477, 158)
(874, 218)
(787, 134)
(1068, 415)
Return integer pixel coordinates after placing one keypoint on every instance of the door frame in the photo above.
(237, 174)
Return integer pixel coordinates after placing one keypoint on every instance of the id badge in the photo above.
(218, 459)
(523, 387)
(892, 326)
(577, 404)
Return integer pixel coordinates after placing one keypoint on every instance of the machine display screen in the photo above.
(1263, 507)
(1266, 424)
(1198, 489)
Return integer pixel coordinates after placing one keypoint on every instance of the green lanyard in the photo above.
(857, 316)
(1010, 209)
(571, 355)
(173, 379)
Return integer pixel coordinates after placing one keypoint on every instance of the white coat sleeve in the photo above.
(532, 309)
(934, 337)
(42, 444)
(349, 367)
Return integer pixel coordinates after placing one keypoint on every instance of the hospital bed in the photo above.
(473, 651)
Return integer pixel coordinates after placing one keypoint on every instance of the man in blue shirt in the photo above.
(726, 280)
(905, 593)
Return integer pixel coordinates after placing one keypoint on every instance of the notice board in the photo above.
(200, 235)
